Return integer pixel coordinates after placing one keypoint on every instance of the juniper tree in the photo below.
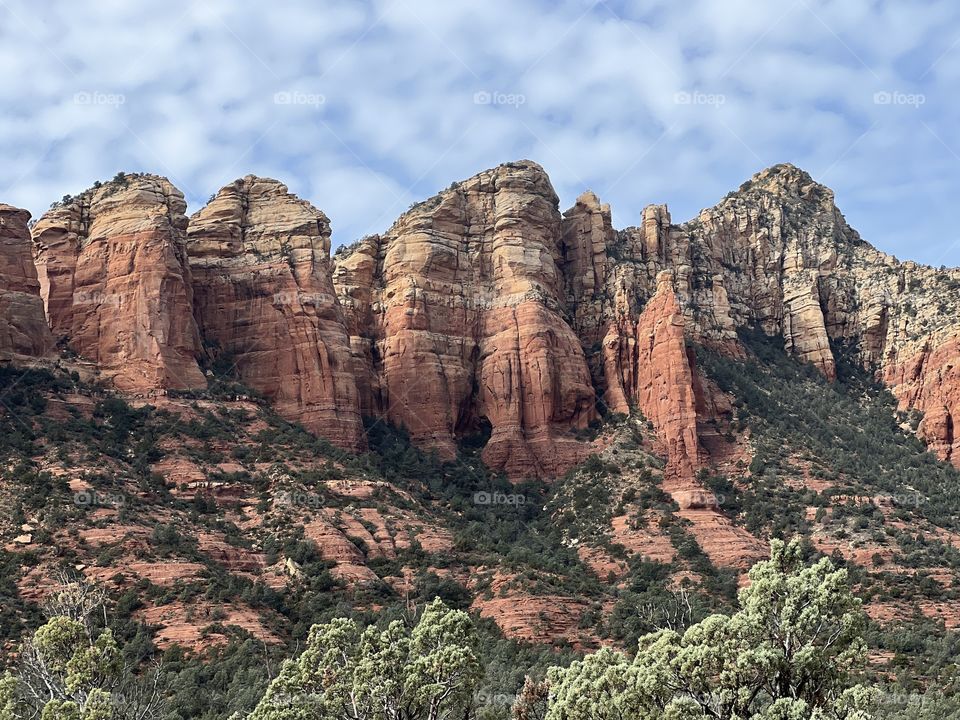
(790, 653)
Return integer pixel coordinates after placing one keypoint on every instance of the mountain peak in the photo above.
(786, 180)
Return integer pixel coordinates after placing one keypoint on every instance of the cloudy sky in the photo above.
(365, 106)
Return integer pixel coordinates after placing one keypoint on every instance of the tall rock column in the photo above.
(114, 278)
(804, 326)
(587, 236)
(23, 327)
(647, 366)
(265, 304)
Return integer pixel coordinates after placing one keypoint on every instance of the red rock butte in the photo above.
(23, 328)
(483, 310)
(264, 303)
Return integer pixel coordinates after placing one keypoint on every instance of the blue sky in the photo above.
(364, 107)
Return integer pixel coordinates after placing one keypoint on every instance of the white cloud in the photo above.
(595, 100)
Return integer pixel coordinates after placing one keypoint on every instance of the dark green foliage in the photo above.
(848, 430)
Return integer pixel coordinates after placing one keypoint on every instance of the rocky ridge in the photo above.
(484, 312)
(778, 254)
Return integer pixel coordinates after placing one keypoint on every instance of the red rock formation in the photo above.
(587, 235)
(648, 367)
(353, 278)
(763, 256)
(929, 381)
(114, 277)
(779, 255)
(456, 312)
(483, 308)
(23, 328)
(264, 301)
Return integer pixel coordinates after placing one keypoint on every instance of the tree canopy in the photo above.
(791, 652)
(427, 672)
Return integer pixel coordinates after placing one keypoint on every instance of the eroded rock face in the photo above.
(483, 310)
(114, 278)
(789, 263)
(264, 302)
(648, 368)
(930, 382)
(587, 235)
(23, 327)
(765, 256)
(777, 255)
(456, 316)
(458, 287)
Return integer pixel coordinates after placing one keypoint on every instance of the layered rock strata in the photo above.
(23, 327)
(266, 308)
(778, 255)
(482, 314)
(116, 284)
(457, 320)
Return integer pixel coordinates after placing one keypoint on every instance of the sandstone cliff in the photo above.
(483, 311)
(114, 278)
(457, 317)
(777, 254)
(23, 328)
(786, 260)
(647, 367)
(265, 304)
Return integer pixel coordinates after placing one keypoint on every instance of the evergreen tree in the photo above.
(345, 673)
(789, 653)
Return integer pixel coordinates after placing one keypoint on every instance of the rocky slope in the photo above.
(264, 303)
(23, 328)
(115, 280)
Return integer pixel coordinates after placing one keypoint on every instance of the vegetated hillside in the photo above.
(837, 463)
(223, 532)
